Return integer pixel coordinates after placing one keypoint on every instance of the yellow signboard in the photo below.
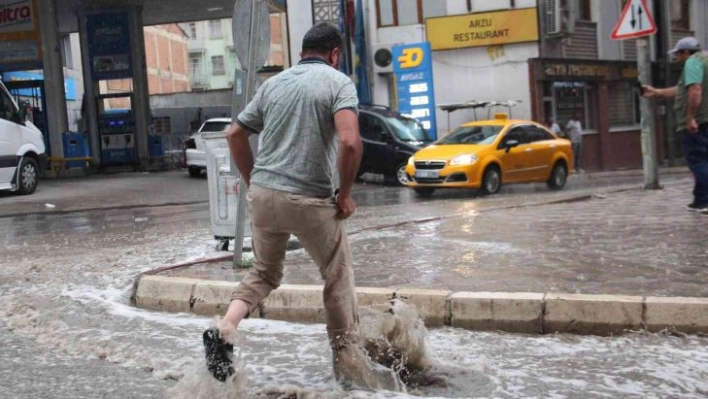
(482, 29)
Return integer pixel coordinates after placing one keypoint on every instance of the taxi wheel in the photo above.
(558, 176)
(424, 192)
(491, 182)
(27, 176)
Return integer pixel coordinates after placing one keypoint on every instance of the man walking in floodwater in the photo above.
(691, 106)
(306, 119)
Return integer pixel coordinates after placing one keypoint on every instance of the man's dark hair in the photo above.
(321, 39)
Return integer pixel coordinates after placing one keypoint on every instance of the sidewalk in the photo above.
(623, 248)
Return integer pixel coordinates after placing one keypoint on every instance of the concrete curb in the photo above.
(532, 313)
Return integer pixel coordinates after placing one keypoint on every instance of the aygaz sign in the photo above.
(482, 29)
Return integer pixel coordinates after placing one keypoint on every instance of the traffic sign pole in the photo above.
(648, 135)
(636, 22)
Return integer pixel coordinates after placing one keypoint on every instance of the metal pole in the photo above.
(241, 209)
(669, 123)
(648, 137)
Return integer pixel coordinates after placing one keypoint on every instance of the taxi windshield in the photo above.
(472, 135)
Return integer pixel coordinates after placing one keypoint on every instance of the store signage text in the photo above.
(482, 29)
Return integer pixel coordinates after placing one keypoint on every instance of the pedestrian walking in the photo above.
(691, 107)
(306, 120)
(574, 131)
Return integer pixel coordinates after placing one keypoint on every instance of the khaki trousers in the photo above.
(275, 215)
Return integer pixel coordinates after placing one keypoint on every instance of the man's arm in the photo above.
(350, 151)
(653, 92)
(695, 96)
(241, 151)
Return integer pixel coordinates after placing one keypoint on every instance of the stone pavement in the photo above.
(625, 241)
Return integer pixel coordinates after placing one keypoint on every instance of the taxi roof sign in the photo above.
(635, 21)
(502, 116)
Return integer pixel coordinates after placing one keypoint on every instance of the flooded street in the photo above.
(67, 329)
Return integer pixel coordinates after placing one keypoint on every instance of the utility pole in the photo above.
(250, 21)
(636, 22)
(648, 136)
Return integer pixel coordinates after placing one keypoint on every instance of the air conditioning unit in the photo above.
(382, 58)
(559, 17)
(553, 21)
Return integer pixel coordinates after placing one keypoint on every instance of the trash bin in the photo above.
(75, 146)
(223, 199)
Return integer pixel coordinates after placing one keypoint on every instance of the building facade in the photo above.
(166, 53)
(581, 69)
(470, 70)
(212, 58)
(569, 65)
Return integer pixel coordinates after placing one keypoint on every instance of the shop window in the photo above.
(215, 29)
(217, 65)
(584, 10)
(571, 97)
(622, 105)
(679, 14)
(408, 12)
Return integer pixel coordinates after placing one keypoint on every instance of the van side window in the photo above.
(7, 108)
(378, 129)
(365, 126)
(371, 127)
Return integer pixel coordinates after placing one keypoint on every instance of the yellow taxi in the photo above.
(486, 154)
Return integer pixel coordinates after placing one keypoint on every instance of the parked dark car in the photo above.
(389, 139)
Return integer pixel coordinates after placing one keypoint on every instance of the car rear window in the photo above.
(215, 127)
(472, 135)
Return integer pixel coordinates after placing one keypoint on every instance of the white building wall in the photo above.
(299, 21)
(482, 74)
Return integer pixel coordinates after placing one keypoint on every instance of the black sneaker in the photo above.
(218, 355)
(695, 207)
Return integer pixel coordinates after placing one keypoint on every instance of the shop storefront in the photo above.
(603, 94)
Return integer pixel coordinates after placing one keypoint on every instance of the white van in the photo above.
(22, 150)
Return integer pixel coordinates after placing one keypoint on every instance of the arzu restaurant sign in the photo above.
(482, 29)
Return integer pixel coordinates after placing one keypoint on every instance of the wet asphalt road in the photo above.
(66, 330)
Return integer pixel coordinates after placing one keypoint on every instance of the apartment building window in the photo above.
(192, 30)
(584, 10)
(408, 12)
(325, 11)
(217, 65)
(215, 29)
(679, 14)
(195, 64)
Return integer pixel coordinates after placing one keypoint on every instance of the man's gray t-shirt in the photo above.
(293, 113)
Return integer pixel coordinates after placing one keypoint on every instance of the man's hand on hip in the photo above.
(692, 126)
(346, 206)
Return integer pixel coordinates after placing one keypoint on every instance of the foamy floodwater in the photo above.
(67, 331)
